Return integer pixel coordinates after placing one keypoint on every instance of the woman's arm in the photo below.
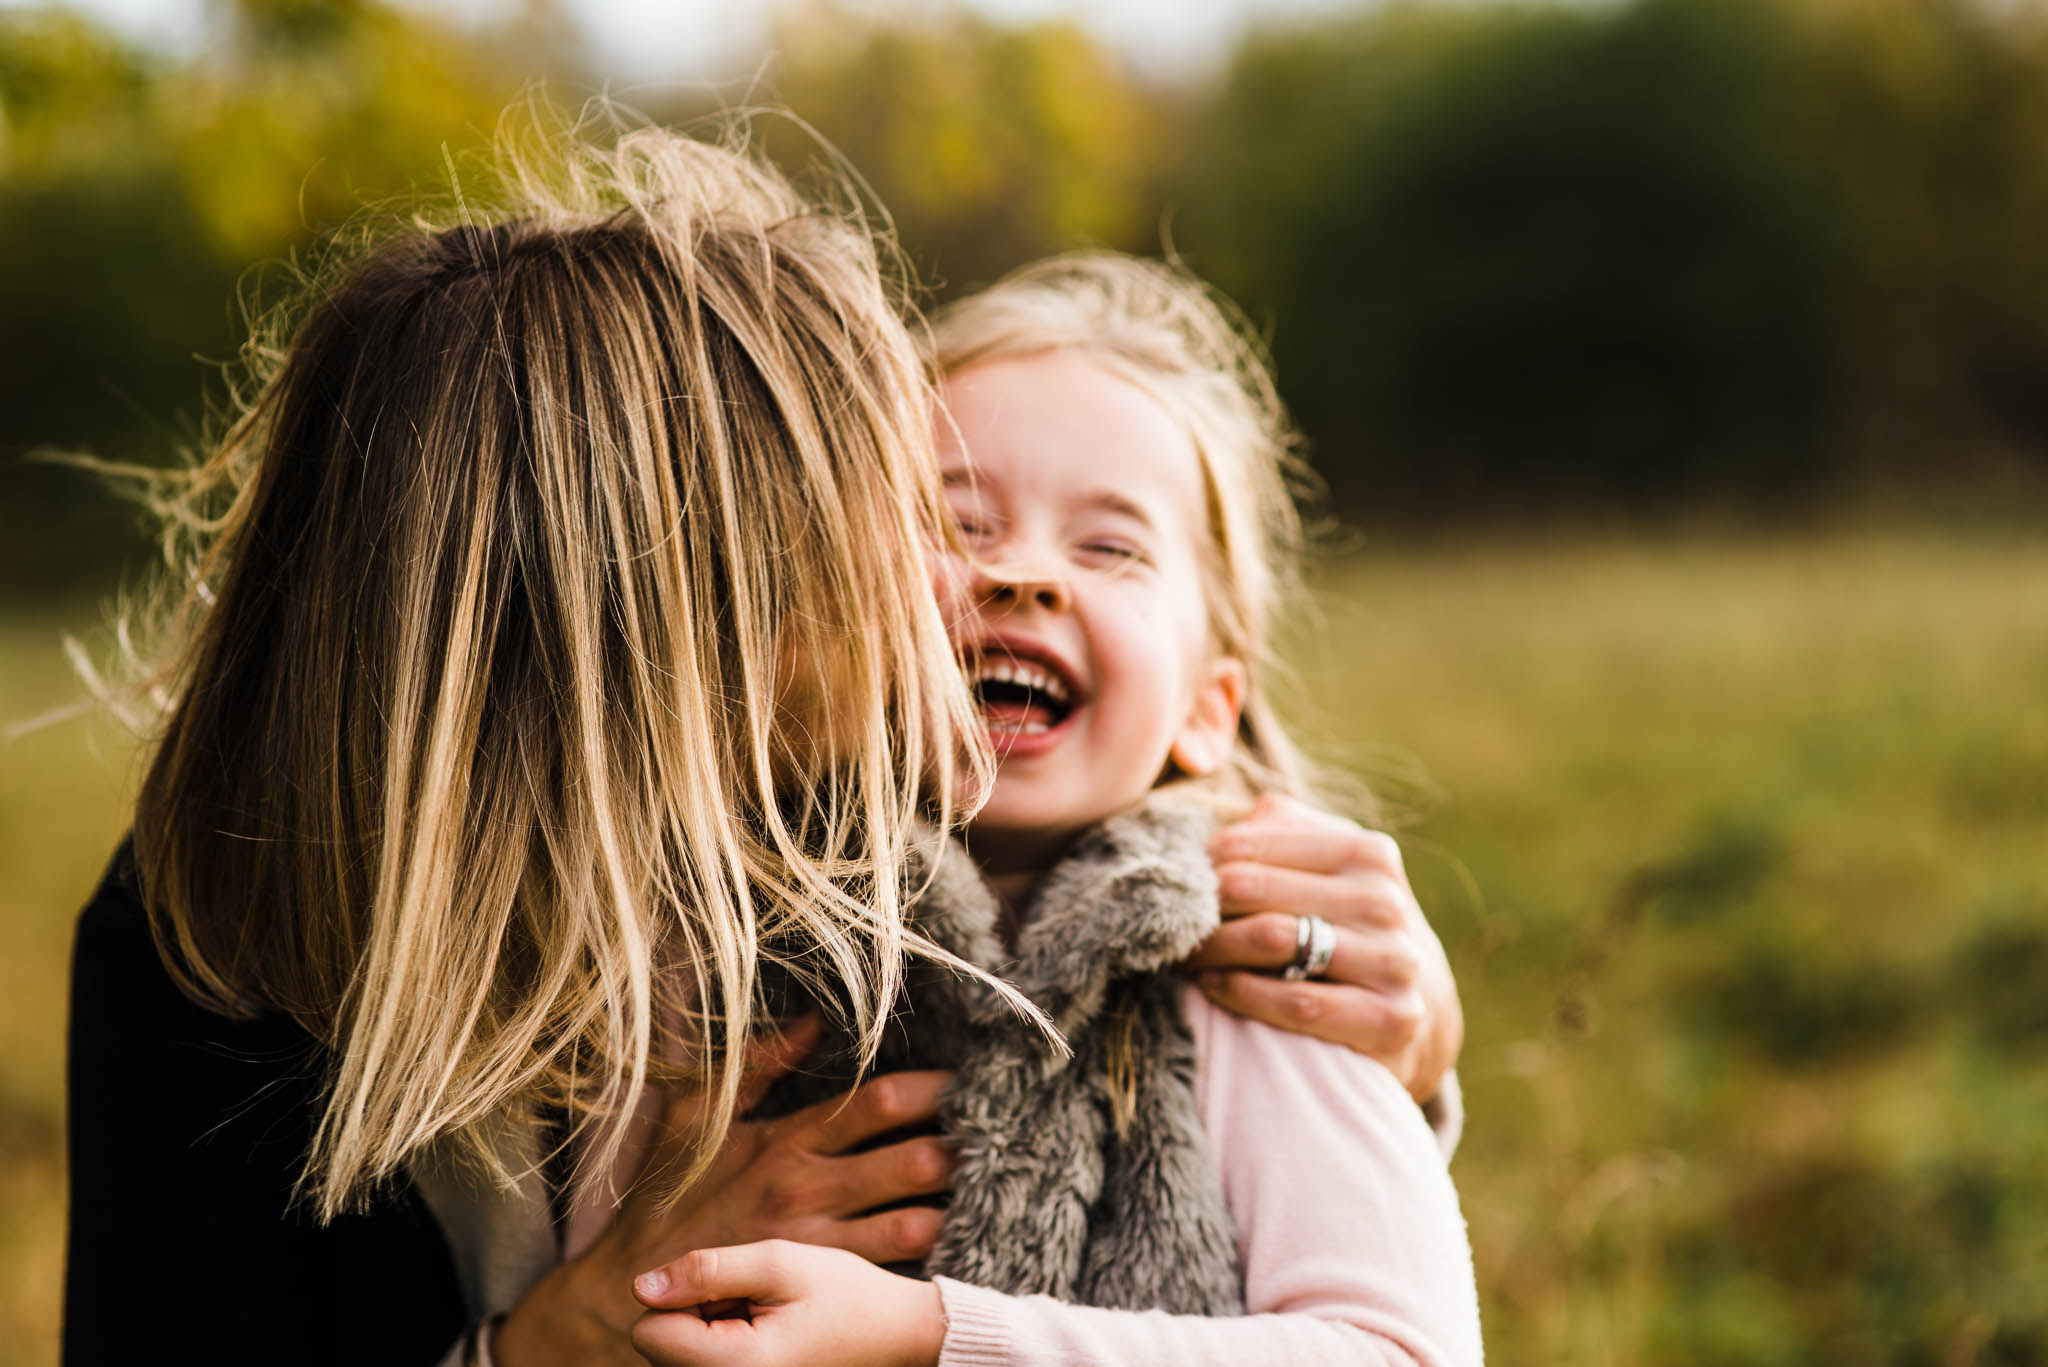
(1353, 1247)
(1388, 993)
(186, 1131)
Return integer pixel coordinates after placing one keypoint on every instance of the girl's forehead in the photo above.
(1061, 420)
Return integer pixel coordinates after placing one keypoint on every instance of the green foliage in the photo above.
(135, 195)
(989, 146)
(1538, 256)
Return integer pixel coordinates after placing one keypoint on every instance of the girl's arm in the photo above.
(1354, 1250)
(1353, 1246)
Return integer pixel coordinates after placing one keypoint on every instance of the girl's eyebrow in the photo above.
(1109, 501)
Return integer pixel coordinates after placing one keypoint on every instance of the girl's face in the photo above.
(1078, 612)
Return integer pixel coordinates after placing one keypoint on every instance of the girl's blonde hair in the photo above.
(547, 638)
(1171, 335)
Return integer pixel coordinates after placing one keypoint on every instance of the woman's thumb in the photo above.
(765, 1059)
(768, 1058)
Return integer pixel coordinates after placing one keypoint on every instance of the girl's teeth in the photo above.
(998, 669)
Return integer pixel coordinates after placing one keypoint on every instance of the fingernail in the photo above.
(652, 1284)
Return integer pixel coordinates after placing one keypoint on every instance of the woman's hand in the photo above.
(1388, 992)
(790, 1178)
(780, 1304)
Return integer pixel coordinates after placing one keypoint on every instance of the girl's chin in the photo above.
(1010, 841)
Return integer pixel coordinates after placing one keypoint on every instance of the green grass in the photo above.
(1741, 853)
(64, 790)
(1740, 849)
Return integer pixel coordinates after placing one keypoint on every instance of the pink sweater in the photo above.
(1348, 1228)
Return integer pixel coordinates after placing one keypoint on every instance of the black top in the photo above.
(187, 1131)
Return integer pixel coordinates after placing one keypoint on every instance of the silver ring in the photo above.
(1315, 944)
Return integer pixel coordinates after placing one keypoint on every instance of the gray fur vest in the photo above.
(1082, 1178)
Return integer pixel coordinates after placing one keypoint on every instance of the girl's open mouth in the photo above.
(1023, 700)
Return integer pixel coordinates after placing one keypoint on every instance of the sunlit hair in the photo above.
(1158, 327)
(547, 635)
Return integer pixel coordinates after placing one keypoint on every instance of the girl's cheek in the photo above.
(948, 579)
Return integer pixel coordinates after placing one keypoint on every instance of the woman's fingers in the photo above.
(1387, 993)
(1271, 940)
(893, 1236)
(880, 1104)
(1380, 1024)
(1358, 899)
(812, 1190)
(1286, 832)
(913, 1167)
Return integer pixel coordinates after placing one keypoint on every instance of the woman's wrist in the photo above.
(578, 1313)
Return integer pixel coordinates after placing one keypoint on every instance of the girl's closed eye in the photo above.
(974, 527)
(1114, 551)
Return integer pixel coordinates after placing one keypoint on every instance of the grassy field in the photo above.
(1741, 852)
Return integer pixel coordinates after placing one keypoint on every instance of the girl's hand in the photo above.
(790, 1178)
(1388, 993)
(780, 1304)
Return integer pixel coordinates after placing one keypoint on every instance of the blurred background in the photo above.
(1678, 370)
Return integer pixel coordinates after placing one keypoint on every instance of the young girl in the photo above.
(1116, 470)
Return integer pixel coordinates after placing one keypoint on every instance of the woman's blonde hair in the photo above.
(1158, 327)
(547, 638)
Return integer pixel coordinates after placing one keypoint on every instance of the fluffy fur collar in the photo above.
(1084, 1176)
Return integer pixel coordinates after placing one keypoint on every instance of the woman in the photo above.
(549, 636)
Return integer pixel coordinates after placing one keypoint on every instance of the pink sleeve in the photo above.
(1353, 1247)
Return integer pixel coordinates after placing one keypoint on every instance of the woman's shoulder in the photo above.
(114, 923)
(148, 1062)
(120, 984)
(186, 1133)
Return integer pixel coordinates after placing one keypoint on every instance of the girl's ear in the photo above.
(1211, 728)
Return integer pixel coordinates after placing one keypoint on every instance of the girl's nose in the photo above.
(1013, 585)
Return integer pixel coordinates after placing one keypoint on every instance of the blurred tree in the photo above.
(134, 194)
(1929, 121)
(1528, 256)
(1757, 253)
(989, 145)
